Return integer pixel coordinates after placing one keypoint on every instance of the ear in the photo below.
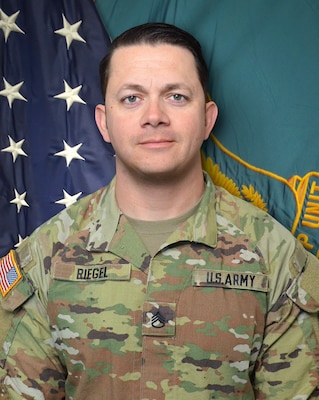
(100, 119)
(210, 117)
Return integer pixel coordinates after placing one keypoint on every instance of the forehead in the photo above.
(158, 59)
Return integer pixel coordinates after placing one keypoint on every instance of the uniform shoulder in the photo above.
(31, 261)
(250, 219)
(277, 246)
(274, 241)
(83, 208)
(72, 217)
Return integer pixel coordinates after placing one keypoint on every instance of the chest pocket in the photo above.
(86, 298)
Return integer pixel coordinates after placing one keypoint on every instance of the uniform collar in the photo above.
(200, 227)
(103, 228)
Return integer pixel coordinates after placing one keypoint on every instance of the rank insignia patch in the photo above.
(10, 274)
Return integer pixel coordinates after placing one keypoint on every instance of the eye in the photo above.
(178, 97)
(130, 99)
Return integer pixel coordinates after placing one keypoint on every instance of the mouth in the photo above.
(156, 143)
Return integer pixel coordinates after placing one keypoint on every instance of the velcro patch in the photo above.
(10, 273)
(230, 279)
(159, 319)
(110, 272)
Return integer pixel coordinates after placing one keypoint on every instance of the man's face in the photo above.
(155, 114)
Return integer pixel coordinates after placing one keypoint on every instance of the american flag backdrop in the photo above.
(51, 152)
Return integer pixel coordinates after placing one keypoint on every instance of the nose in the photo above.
(154, 113)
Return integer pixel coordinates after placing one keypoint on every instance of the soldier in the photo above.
(161, 285)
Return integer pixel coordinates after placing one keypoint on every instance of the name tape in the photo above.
(230, 279)
(112, 272)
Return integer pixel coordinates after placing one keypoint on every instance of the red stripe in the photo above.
(5, 266)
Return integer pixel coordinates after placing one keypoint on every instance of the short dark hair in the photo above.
(155, 33)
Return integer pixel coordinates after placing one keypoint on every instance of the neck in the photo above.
(151, 200)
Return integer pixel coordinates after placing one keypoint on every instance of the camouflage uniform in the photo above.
(228, 308)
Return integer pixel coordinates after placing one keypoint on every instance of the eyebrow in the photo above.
(132, 86)
(166, 88)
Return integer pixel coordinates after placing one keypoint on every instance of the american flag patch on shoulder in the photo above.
(10, 273)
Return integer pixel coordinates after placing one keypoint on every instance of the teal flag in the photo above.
(263, 58)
